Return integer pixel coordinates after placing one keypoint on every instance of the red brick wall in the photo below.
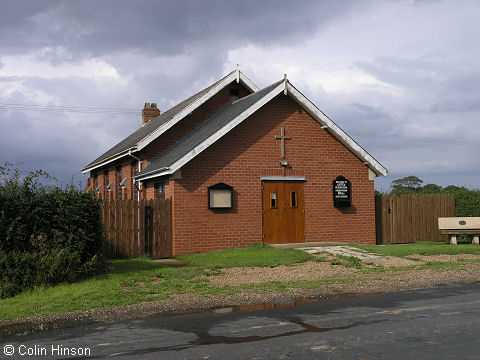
(149, 187)
(127, 172)
(250, 151)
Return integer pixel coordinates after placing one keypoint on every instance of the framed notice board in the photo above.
(342, 192)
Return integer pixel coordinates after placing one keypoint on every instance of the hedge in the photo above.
(48, 234)
(467, 202)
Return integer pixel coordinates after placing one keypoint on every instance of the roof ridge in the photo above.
(216, 122)
(192, 96)
(247, 96)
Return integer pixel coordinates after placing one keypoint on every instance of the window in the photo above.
(160, 190)
(234, 95)
(118, 175)
(294, 199)
(273, 200)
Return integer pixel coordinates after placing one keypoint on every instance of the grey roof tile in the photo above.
(202, 132)
(132, 140)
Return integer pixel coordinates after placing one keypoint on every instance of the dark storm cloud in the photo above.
(30, 142)
(95, 28)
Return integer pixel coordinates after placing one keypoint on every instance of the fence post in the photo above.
(378, 219)
(148, 230)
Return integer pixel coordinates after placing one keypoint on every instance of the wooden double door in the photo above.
(283, 212)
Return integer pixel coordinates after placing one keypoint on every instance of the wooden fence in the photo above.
(136, 228)
(410, 218)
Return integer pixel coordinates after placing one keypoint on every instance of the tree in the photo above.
(454, 188)
(406, 185)
(431, 189)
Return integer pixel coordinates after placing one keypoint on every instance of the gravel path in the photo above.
(310, 270)
(341, 281)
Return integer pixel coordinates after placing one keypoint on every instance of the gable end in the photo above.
(336, 131)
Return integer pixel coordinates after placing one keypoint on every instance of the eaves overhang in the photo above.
(154, 174)
(108, 160)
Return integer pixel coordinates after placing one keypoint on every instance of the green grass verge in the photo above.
(121, 286)
(254, 255)
(137, 280)
(422, 248)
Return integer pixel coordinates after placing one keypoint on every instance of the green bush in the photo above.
(467, 202)
(48, 234)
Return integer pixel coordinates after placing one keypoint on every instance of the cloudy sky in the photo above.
(400, 77)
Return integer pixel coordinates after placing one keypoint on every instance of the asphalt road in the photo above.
(440, 323)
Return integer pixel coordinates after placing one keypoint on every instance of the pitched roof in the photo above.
(215, 127)
(207, 132)
(155, 127)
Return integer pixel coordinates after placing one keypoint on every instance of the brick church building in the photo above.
(244, 165)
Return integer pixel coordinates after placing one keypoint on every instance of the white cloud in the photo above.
(30, 65)
(11, 87)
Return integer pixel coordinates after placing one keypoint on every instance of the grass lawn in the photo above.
(422, 248)
(254, 255)
(137, 280)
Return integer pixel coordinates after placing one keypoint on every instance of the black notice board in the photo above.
(342, 192)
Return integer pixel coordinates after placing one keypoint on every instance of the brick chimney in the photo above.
(149, 112)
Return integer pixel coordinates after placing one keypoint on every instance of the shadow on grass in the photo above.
(119, 267)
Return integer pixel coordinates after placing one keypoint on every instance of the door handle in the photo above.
(283, 207)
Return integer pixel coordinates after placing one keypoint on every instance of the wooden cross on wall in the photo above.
(282, 137)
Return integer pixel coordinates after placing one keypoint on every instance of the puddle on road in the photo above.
(221, 310)
(30, 328)
(204, 338)
(259, 307)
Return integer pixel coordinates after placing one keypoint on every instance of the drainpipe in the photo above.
(139, 169)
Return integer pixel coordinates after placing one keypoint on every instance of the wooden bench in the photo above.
(454, 226)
